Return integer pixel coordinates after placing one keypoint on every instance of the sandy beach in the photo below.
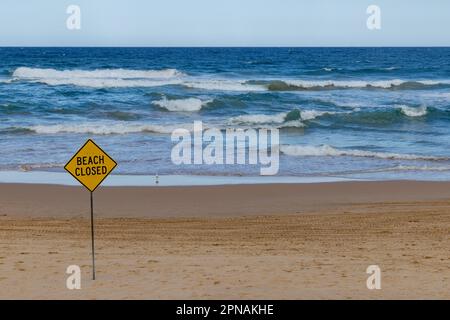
(286, 241)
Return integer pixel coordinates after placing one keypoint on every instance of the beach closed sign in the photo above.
(90, 165)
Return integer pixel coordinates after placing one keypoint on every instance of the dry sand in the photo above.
(228, 242)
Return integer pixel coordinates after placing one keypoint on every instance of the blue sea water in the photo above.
(372, 113)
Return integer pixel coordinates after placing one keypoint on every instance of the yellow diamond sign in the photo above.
(90, 165)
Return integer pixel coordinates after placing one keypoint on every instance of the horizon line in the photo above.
(232, 46)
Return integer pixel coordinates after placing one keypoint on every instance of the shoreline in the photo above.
(58, 178)
(141, 180)
(34, 200)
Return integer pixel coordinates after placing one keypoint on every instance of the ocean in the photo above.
(358, 113)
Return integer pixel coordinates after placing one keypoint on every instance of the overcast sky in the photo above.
(225, 23)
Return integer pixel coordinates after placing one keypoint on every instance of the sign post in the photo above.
(90, 166)
(92, 236)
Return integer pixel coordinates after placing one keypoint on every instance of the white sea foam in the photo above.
(419, 168)
(33, 166)
(384, 84)
(189, 104)
(105, 129)
(105, 78)
(101, 78)
(313, 114)
(277, 118)
(224, 85)
(413, 111)
(326, 150)
(109, 78)
(108, 83)
(259, 118)
(24, 72)
(345, 83)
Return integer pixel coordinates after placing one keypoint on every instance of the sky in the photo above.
(225, 23)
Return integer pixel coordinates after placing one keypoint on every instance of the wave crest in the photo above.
(25, 72)
(413, 112)
(103, 129)
(299, 85)
(188, 104)
(105, 78)
(225, 85)
(291, 118)
(326, 150)
(419, 168)
(100, 78)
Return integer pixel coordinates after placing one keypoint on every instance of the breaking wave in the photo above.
(326, 150)
(419, 168)
(189, 104)
(100, 78)
(105, 129)
(106, 78)
(299, 85)
(34, 166)
(414, 112)
(279, 118)
(225, 85)
(24, 72)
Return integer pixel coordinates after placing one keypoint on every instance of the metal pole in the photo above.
(92, 236)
